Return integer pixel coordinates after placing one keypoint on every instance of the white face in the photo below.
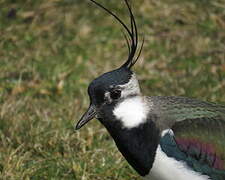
(131, 110)
(129, 89)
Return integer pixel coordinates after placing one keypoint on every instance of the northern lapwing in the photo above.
(162, 138)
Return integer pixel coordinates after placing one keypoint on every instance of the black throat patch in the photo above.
(138, 145)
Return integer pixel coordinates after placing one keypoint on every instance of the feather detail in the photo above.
(203, 139)
(132, 32)
(172, 149)
(204, 152)
(199, 132)
(173, 109)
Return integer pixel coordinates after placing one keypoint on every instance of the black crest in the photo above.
(131, 39)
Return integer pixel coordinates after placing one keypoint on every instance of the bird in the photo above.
(161, 137)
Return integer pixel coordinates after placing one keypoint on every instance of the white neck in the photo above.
(166, 168)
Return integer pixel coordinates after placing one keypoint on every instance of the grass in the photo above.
(51, 50)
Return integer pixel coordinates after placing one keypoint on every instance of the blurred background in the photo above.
(50, 50)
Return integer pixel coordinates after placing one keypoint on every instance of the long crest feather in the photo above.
(132, 39)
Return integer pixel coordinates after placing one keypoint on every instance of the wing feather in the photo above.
(199, 131)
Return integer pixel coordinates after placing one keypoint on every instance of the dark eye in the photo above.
(115, 94)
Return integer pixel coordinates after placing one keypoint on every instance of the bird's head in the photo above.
(107, 89)
(113, 86)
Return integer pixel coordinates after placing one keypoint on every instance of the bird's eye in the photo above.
(115, 94)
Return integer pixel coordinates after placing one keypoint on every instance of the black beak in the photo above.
(88, 115)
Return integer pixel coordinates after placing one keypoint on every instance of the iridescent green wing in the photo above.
(203, 139)
(199, 132)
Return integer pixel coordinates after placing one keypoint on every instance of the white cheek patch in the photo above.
(132, 112)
